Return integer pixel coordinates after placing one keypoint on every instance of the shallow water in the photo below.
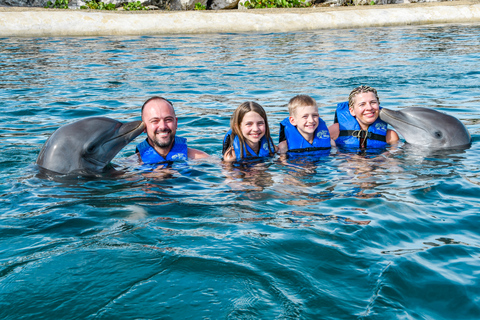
(390, 236)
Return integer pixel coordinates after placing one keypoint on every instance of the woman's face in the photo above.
(365, 109)
(253, 128)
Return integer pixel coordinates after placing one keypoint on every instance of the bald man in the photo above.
(161, 144)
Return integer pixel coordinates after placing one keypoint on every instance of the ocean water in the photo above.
(384, 236)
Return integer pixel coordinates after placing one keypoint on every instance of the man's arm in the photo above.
(196, 154)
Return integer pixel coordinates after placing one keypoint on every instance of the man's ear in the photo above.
(292, 121)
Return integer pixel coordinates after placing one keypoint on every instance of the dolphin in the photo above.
(427, 127)
(87, 145)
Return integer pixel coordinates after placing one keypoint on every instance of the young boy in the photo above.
(303, 131)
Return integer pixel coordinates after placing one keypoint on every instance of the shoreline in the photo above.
(39, 22)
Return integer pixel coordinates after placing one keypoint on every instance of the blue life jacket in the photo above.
(297, 143)
(149, 155)
(248, 153)
(350, 131)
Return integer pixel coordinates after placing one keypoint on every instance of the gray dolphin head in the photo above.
(87, 145)
(427, 127)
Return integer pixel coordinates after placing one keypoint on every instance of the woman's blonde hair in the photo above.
(358, 90)
(237, 119)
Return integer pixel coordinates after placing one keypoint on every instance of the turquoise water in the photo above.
(390, 236)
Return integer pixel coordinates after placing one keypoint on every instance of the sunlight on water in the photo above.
(391, 235)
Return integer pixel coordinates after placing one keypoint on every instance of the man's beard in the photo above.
(164, 144)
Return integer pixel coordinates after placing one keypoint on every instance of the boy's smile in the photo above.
(306, 121)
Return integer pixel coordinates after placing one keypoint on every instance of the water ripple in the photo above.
(390, 235)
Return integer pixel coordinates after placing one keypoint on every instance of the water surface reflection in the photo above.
(390, 235)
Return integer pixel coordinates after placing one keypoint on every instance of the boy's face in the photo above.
(306, 120)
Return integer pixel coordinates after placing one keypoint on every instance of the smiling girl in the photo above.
(249, 134)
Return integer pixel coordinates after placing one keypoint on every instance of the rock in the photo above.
(185, 4)
(240, 5)
(117, 3)
(76, 4)
(160, 4)
(224, 4)
(23, 3)
(190, 4)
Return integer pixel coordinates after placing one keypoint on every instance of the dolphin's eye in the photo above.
(91, 149)
(438, 134)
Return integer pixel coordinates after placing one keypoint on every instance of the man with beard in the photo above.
(161, 144)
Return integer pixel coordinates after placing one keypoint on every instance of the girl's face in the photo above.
(253, 128)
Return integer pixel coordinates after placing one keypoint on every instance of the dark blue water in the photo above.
(390, 236)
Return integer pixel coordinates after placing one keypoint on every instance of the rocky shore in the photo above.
(207, 4)
(38, 22)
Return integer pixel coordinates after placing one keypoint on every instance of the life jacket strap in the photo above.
(309, 149)
(227, 142)
(362, 134)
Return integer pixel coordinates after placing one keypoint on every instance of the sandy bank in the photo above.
(36, 22)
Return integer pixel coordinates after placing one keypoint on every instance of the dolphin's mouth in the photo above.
(135, 131)
(95, 162)
(393, 114)
(126, 133)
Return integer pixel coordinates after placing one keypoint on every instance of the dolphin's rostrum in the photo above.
(87, 145)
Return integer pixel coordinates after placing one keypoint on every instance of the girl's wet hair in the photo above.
(237, 119)
(358, 90)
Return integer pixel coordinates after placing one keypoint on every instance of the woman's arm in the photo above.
(334, 130)
(391, 136)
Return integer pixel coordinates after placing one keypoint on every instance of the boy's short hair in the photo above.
(299, 101)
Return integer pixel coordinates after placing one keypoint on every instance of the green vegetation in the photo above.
(98, 5)
(200, 6)
(134, 6)
(58, 4)
(257, 4)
